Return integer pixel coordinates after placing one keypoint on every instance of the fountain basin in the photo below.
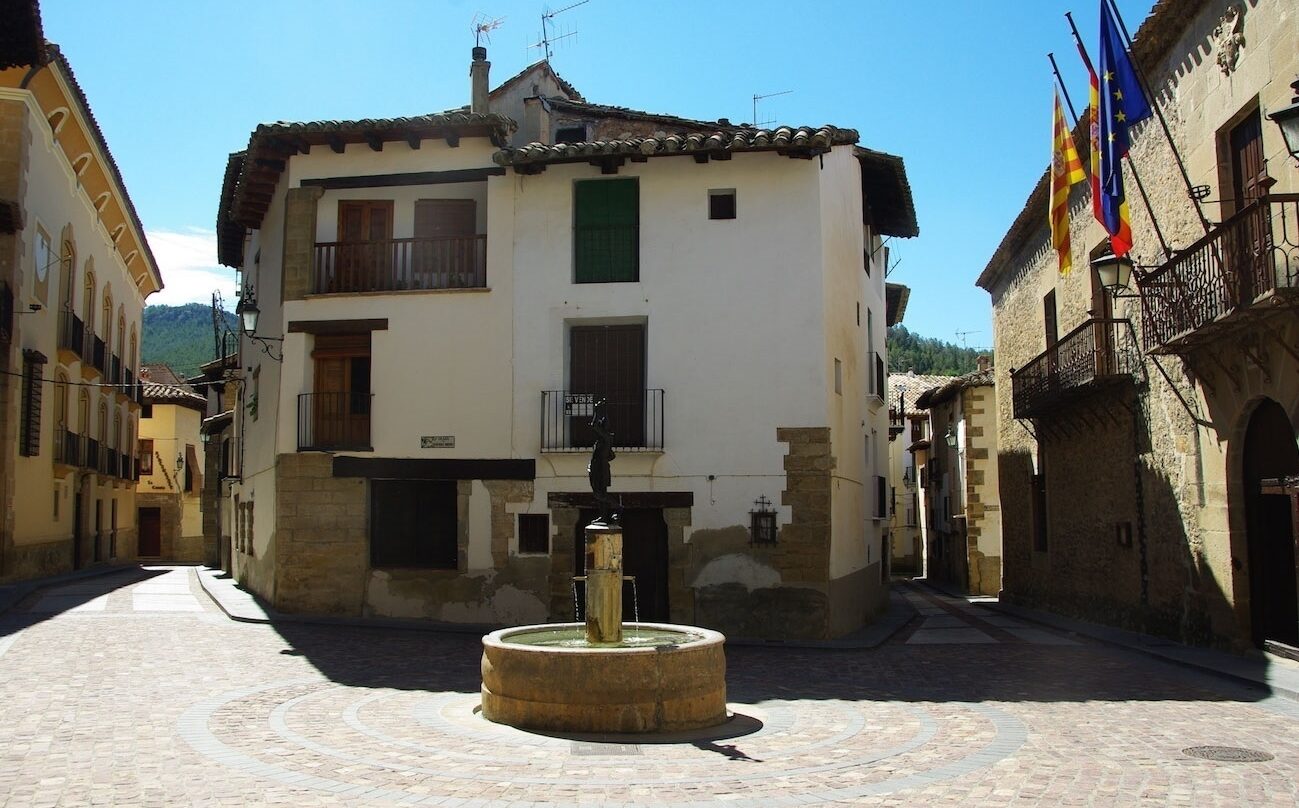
(661, 678)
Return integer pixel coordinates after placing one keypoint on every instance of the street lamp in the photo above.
(1287, 120)
(249, 313)
(950, 437)
(1115, 273)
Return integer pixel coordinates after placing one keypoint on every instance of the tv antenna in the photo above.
(483, 26)
(961, 335)
(547, 35)
(757, 98)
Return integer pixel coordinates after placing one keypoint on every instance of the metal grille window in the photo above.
(534, 533)
(762, 522)
(30, 440)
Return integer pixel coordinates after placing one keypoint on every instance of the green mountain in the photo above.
(927, 355)
(180, 336)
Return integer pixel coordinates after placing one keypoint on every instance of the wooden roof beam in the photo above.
(413, 140)
(453, 139)
(373, 140)
(336, 143)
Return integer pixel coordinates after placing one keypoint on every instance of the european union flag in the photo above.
(1122, 104)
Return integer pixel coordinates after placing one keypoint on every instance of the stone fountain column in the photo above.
(603, 583)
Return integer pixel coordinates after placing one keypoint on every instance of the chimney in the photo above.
(478, 81)
(984, 361)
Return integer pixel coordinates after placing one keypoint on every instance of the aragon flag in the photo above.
(1066, 171)
(1121, 105)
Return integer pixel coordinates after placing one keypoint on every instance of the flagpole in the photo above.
(1136, 175)
(1154, 105)
(1056, 69)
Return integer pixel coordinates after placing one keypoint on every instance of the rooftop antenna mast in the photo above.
(961, 335)
(757, 98)
(483, 26)
(548, 20)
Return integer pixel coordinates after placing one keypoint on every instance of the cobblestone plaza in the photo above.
(134, 689)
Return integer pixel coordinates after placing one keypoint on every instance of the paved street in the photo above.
(134, 689)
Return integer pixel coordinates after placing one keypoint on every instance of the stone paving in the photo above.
(133, 689)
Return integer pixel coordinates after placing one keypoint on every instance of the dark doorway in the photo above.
(1248, 258)
(1270, 452)
(77, 531)
(149, 523)
(608, 361)
(644, 557)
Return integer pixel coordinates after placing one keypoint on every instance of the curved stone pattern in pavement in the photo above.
(407, 746)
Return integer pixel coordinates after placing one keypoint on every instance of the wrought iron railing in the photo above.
(100, 353)
(635, 419)
(334, 421)
(72, 332)
(1097, 350)
(401, 264)
(69, 447)
(90, 459)
(114, 370)
(1252, 253)
(108, 461)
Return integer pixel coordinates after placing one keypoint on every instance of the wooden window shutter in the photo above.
(193, 471)
(30, 440)
(606, 219)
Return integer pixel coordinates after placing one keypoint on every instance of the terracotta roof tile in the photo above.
(22, 40)
(937, 395)
(545, 65)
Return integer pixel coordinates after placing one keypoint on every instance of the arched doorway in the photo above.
(1270, 453)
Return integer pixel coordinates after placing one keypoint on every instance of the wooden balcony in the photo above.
(1245, 268)
(400, 264)
(635, 419)
(1093, 356)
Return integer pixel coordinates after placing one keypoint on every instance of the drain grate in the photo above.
(611, 749)
(1227, 754)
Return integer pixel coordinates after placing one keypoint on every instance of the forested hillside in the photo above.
(928, 355)
(180, 336)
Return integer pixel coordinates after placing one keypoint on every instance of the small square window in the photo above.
(534, 533)
(146, 410)
(721, 203)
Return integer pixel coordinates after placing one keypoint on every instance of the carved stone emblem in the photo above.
(1229, 37)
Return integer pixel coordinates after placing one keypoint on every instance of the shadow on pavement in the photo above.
(53, 599)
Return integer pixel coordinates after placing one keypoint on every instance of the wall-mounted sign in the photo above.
(437, 442)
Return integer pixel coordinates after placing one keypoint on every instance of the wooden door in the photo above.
(340, 410)
(608, 361)
(363, 262)
(1247, 259)
(444, 255)
(149, 522)
(1050, 330)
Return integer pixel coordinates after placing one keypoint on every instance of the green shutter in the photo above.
(606, 218)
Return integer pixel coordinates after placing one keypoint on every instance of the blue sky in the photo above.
(960, 89)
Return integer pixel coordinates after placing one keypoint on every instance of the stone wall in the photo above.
(299, 240)
(982, 504)
(321, 553)
(14, 564)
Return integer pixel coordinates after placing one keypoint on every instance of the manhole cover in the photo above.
(585, 748)
(1227, 754)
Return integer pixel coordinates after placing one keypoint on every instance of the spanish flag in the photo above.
(1066, 171)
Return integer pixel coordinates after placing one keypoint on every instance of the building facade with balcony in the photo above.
(1139, 433)
(168, 491)
(75, 269)
(908, 433)
(455, 302)
(960, 498)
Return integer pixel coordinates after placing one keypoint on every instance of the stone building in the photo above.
(1139, 431)
(167, 492)
(218, 383)
(959, 488)
(74, 272)
(908, 432)
(458, 290)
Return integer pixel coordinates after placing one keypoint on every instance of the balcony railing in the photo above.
(72, 333)
(69, 447)
(635, 419)
(115, 370)
(400, 264)
(1251, 255)
(334, 421)
(90, 459)
(1095, 353)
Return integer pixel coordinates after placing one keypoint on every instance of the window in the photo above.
(606, 241)
(762, 526)
(534, 533)
(838, 377)
(146, 457)
(413, 523)
(30, 440)
(146, 410)
(721, 203)
(337, 414)
(570, 134)
(191, 469)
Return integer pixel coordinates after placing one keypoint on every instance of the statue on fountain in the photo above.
(597, 471)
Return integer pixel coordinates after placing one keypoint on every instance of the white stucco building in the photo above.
(455, 298)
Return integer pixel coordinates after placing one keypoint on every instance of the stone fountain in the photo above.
(604, 675)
